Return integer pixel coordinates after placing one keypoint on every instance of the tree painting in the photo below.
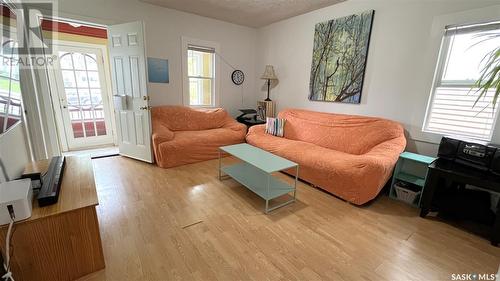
(339, 58)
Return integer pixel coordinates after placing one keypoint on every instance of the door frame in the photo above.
(56, 105)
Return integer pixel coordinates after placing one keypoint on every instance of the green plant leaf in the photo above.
(490, 74)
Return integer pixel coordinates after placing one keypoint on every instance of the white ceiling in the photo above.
(253, 13)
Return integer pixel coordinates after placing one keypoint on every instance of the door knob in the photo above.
(145, 107)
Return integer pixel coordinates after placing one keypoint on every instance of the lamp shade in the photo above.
(269, 73)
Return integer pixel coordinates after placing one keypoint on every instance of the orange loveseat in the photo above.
(349, 156)
(183, 135)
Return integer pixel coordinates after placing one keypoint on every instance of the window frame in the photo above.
(4, 125)
(460, 84)
(202, 44)
(201, 78)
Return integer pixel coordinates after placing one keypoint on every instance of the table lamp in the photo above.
(269, 75)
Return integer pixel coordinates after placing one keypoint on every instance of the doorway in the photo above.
(93, 106)
(80, 89)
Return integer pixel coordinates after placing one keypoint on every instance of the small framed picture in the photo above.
(158, 70)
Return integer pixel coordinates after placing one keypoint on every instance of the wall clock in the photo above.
(238, 77)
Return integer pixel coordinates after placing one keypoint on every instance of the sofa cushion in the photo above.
(347, 133)
(324, 160)
(194, 146)
(182, 118)
(215, 137)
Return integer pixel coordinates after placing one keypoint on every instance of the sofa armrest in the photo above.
(161, 134)
(234, 125)
(386, 154)
(392, 147)
(257, 129)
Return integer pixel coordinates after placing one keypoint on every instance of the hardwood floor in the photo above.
(184, 224)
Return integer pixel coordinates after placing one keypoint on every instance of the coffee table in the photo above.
(255, 172)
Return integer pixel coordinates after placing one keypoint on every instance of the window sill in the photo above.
(442, 134)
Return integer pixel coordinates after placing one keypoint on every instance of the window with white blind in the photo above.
(200, 68)
(201, 75)
(452, 108)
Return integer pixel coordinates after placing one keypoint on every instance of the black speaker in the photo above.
(448, 148)
(495, 163)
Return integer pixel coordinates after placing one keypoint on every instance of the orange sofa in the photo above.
(349, 156)
(183, 135)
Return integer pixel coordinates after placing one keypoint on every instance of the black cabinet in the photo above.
(443, 171)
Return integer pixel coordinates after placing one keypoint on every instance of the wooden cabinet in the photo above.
(60, 241)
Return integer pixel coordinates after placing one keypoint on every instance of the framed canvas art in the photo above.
(158, 70)
(339, 58)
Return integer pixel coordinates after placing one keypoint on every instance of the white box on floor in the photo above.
(19, 195)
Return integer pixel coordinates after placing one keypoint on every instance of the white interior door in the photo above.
(128, 72)
(81, 95)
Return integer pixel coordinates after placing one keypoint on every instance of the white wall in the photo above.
(403, 51)
(164, 29)
(13, 152)
(404, 46)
